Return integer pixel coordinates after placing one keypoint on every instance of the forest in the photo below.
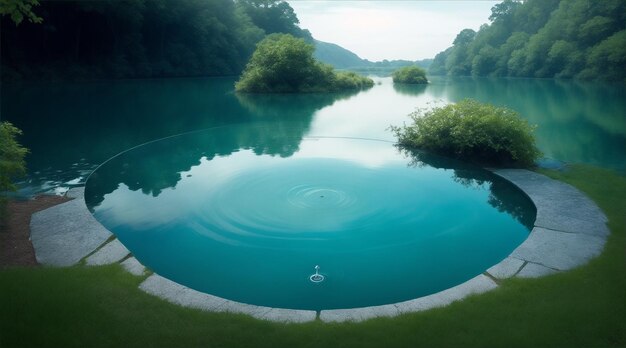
(141, 38)
(283, 63)
(583, 39)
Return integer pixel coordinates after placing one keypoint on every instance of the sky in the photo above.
(378, 30)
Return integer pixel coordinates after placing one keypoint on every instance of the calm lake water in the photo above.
(71, 128)
(247, 217)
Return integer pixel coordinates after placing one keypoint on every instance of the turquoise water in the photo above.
(249, 222)
(247, 210)
(71, 128)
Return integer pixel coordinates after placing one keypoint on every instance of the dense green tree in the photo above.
(472, 131)
(20, 9)
(484, 61)
(596, 28)
(137, 38)
(542, 38)
(459, 61)
(274, 16)
(504, 11)
(438, 66)
(283, 63)
(12, 163)
(410, 75)
(561, 55)
(607, 59)
(533, 15)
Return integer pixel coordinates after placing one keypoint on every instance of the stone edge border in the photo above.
(569, 230)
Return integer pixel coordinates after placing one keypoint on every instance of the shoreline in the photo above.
(16, 248)
(569, 231)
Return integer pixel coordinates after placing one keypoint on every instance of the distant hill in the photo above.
(344, 59)
(337, 56)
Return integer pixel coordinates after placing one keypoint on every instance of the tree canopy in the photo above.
(543, 38)
(410, 75)
(137, 38)
(283, 63)
(472, 131)
(20, 9)
(12, 163)
(274, 16)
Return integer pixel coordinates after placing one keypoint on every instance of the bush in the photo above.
(12, 163)
(472, 131)
(350, 80)
(411, 75)
(12, 155)
(285, 64)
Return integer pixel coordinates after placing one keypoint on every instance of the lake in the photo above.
(71, 128)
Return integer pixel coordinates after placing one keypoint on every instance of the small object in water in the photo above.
(317, 277)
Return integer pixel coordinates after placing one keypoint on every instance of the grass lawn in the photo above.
(102, 306)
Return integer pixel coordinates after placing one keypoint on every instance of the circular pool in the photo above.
(247, 213)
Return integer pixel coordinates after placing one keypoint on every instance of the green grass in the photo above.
(102, 307)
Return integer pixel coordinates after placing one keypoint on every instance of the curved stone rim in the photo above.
(569, 230)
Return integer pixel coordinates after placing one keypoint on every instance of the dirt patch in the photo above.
(15, 246)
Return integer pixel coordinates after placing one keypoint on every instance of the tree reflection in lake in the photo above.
(287, 116)
(410, 89)
(280, 123)
(577, 121)
(503, 195)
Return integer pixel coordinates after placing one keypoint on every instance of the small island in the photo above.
(412, 75)
(283, 63)
(476, 132)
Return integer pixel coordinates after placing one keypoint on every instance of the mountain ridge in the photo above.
(344, 59)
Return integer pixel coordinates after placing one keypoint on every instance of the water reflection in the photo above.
(409, 89)
(285, 117)
(71, 127)
(75, 126)
(503, 195)
(161, 165)
(188, 205)
(579, 122)
(162, 162)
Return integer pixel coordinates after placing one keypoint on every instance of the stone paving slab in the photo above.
(559, 250)
(76, 192)
(288, 315)
(506, 268)
(133, 266)
(550, 217)
(570, 230)
(182, 295)
(358, 314)
(476, 285)
(533, 270)
(111, 252)
(559, 206)
(64, 234)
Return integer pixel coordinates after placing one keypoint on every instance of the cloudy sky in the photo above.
(378, 30)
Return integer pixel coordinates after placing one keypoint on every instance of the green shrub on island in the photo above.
(347, 80)
(472, 131)
(285, 64)
(410, 75)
